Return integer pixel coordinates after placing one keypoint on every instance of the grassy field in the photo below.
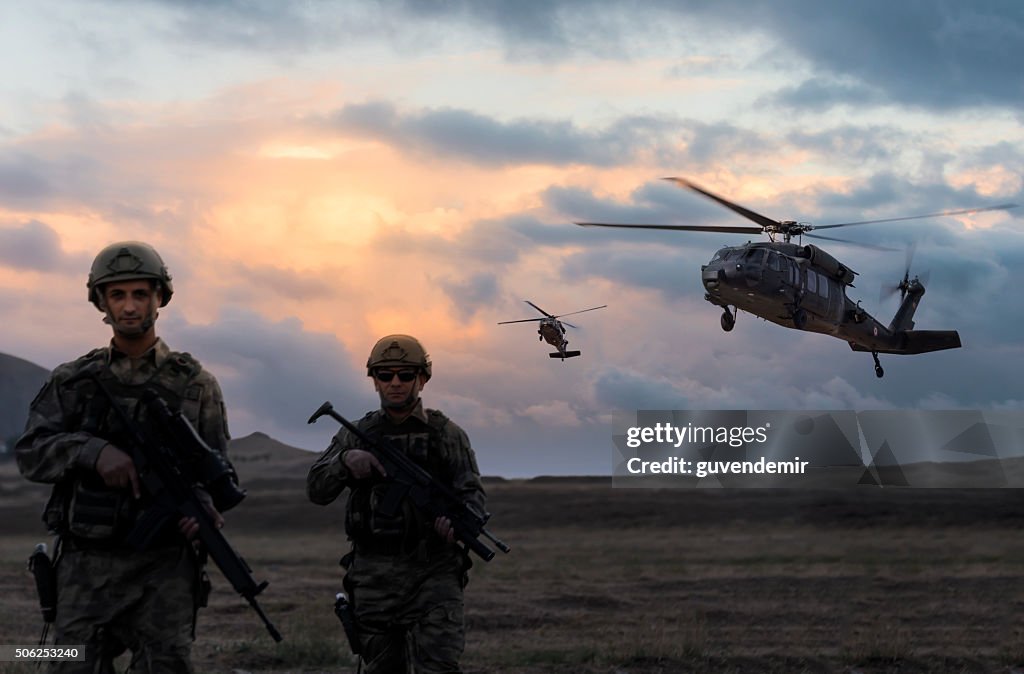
(641, 581)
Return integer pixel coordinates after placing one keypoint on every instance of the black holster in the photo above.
(45, 573)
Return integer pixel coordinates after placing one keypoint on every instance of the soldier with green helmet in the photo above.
(405, 574)
(112, 597)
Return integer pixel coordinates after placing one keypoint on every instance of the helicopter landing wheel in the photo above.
(728, 321)
(879, 372)
(541, 338)
(800, 319)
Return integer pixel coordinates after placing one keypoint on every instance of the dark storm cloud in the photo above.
(469, 136)
(35, 245)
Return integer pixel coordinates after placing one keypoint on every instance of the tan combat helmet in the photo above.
(398, 351)
(128, 261)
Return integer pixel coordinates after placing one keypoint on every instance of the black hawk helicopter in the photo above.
(803, 287)
(552, 330)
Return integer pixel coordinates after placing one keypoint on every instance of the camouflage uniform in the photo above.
(404, 580)
(110, 596)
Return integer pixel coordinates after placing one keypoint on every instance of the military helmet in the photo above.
(128, 261)
(398, 351)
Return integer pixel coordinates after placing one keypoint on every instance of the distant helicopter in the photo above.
(552, 330)
(803, 287)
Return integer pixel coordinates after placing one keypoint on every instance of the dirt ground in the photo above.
(639, 581)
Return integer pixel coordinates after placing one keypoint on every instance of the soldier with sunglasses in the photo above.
(405, 574)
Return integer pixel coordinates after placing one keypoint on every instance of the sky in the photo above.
(317, 175)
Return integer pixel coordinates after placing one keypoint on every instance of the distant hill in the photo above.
(20, 380)
(257, 457)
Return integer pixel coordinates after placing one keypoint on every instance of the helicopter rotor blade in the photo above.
(1000, 207)
(853, 243)
(566, 323)
(764, 221)
(887, 290)
(525, 320)
(571, 313)
(911, 249)
(538, 309)
(678, 228)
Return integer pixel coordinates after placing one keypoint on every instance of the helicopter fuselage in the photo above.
(553, 333)
(803, 287)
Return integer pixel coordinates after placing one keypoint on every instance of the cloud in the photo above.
(470, 136)
(288, 283)
(819, 94)
(274, 374)
(23, 178)
(472, 293)
(938, 55)
(36, 246)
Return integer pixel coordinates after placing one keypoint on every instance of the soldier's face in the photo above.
(131, 306)
(394, 393)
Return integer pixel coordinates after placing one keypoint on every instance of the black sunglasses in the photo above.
(388, 375)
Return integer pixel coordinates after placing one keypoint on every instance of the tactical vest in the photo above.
(367, 526)
(83, 506)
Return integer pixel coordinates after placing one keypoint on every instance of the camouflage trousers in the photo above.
(108, 601)
(408, 612)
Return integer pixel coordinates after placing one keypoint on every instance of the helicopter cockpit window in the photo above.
(823, 286)
(812, 281)
(773, 261)
(755, 256)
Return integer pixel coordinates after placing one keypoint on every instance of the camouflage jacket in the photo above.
(60, 444)
(427, 436)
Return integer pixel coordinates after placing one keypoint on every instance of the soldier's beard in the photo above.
(131, 332)
(407, 404)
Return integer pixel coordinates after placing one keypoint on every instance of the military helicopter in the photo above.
(803, 287)
(553, 330)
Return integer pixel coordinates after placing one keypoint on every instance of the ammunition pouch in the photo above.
(96, 512)
(380, 520)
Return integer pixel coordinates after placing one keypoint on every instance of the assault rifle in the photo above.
(157, 458)
(433, 498)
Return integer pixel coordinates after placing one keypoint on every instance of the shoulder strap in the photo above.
(436, 419)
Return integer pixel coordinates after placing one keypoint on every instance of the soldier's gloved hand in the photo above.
(443, 527)
(361, 464)
(189, 526)
(117, 469)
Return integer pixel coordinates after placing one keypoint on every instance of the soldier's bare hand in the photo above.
(443, 527)
(117, 469)
(189, 526)
(361, 464)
